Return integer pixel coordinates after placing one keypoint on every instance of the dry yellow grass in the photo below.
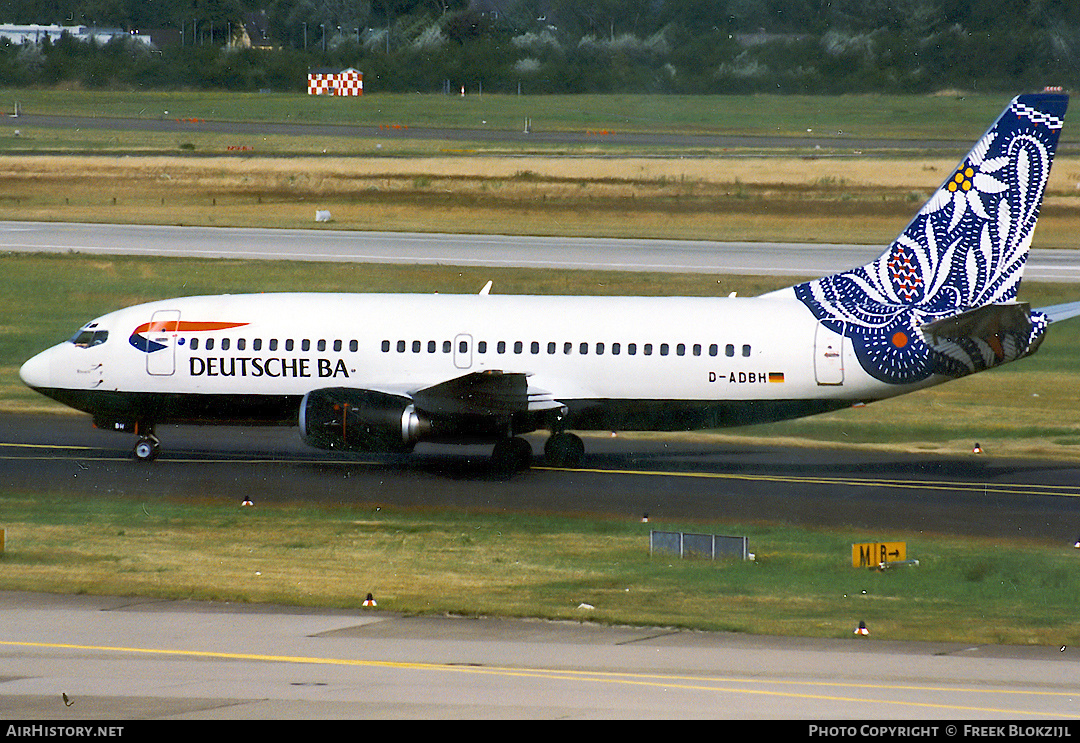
(315, 172)
(732, 198)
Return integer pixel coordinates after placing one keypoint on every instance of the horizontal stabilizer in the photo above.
(980, 323)
(984, 337)
(1059, 312)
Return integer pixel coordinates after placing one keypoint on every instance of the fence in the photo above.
(712, 546)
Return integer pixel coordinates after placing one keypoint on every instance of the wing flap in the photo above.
(492, 393)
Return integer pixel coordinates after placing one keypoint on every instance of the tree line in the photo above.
(559, 46)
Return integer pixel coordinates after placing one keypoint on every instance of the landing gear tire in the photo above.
(146, 450)
(510, 456)
(564, 450)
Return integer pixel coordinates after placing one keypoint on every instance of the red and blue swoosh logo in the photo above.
(144, 344)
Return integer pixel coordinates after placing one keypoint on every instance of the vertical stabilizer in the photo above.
(965, 249)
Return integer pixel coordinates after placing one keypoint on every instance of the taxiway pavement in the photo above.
(84, 658)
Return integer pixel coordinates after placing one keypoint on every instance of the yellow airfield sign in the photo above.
(872, 554)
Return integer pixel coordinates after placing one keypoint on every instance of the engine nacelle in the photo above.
(360, 420)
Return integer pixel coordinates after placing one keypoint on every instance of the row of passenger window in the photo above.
(501, 347)
(272, 345)
(568, 348)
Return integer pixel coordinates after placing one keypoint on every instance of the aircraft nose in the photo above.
(36, 373)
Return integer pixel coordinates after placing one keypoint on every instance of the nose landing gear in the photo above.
(146, 448)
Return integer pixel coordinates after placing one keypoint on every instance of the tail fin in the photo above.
(965, 249)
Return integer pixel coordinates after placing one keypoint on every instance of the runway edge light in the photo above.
(370, 601)
(861, 629)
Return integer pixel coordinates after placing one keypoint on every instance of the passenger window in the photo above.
(551, 347)
(615, 349)
(729, 350)
(463, 346)
(599, 349)
(663, 349)
(501, 348)
(401, 346)
(289, 344)
(337, 346)
(385, 346)
(446, 346)
(518, 347)
(322, 345)
(648, 349)
(681, 349)
(568, 348)
(194, 344)
(305, 345)
(273, 345)
(746, 351)
(481, 347)
(256, 345)
(354, 346)
(241, 344)
(432, 347)
(631, 348)
(714, 349)
(583, 349)
(416, 346)
(209, 344)
(534, 347)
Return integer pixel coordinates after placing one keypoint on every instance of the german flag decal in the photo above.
(776, 376)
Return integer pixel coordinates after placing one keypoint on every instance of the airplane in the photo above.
(379, 373)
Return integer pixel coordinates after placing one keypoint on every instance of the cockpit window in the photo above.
(90, 338)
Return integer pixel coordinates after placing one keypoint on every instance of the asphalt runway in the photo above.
(666, 477)
(689, 256)
(535, 136)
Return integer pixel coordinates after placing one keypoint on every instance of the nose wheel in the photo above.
(146, 449)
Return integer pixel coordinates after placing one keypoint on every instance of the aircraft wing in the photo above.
(484, 393)
(1058, 312)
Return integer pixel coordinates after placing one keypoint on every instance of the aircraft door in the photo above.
(463, 345)
(161, 342)
(828, 356)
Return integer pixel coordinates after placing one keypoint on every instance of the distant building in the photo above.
(255, 32)
(35, 34)
(326, 81)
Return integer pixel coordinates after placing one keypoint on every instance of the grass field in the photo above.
(788, 199)
(947, 116)
(801, 582)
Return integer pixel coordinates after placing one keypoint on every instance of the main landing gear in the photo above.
(564, 449)
(514, 454)
(510, 455)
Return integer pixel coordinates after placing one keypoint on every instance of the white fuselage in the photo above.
(585, 352)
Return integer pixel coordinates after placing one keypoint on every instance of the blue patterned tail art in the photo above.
(964, 250)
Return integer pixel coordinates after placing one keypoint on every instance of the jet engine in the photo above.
(360, 420)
